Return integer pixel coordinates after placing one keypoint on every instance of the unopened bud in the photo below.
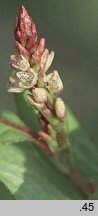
(45, 136)
(43, 123)
(39, 54)
(60, 108)
(20, 62)
(54, 82)
(35, 58)
(25, 30)
(40, 95)
(34, 103)
(49, 60)
(43, 62)
(47, 112)
(21, 49)
(41, 45)
(44, 56)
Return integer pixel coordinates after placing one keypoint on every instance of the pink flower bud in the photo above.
(25, 30)
(43, 123)
(43, 62)
(38, 52)
(41, 45)
(21, 49)
(45, 136)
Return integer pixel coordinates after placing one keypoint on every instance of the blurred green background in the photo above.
(71, 30)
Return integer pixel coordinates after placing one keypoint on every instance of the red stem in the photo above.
(34, 136)
(81, 183)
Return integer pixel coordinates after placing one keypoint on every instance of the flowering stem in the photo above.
(40, 91)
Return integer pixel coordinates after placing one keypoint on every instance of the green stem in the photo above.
(63, 158)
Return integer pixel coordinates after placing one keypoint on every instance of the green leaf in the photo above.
(29, 174)
(9, 134)
(85, 152)
(5, 194)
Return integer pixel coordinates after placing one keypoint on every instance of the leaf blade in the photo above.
(29, 174)
(5, 194)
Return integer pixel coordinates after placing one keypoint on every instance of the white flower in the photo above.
(13, 85)
(53, 82)
(28, 79)
(19, 62)
(25, 78)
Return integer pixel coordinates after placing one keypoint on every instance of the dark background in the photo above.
(71, 30)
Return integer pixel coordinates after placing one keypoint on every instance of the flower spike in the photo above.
(29, 74)
(40, 90)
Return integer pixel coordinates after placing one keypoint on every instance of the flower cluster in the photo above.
(29, 70)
